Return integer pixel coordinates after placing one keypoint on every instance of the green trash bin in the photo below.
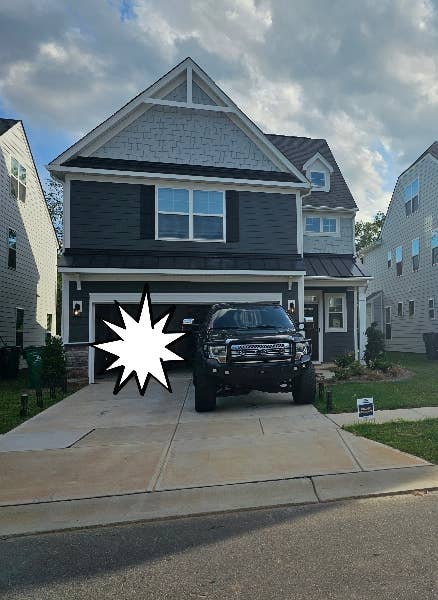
(33, 357)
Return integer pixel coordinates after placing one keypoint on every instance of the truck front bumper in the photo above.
(255, 375)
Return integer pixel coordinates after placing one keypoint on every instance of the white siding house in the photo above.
(28, 245)
(403, 296)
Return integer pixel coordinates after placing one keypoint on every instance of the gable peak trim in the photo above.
(314, 158)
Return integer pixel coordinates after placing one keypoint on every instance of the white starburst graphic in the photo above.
(142, 347)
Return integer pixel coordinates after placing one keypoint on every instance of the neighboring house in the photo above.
(28, 245)
(403, 296)
(180, 189)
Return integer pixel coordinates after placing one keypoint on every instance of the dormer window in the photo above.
(317, 179)
(318, 171)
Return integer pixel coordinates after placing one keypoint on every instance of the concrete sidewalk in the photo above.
(386, 416)
(96, 458)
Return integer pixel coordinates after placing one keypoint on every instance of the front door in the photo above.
(311, 327)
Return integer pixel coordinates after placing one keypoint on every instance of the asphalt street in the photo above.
(372, 548)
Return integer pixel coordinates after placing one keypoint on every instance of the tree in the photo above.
(55, 202)
(367, 232)
(375, 347)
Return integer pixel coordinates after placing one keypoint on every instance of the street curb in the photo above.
(144, 507)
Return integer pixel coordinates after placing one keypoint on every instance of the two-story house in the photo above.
(180, 189)
(402, 297)
(28, 245)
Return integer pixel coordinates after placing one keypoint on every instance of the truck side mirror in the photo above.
(301, 326)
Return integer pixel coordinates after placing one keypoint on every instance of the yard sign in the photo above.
(365, 408)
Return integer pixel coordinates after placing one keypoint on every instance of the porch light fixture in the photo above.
(77, 308)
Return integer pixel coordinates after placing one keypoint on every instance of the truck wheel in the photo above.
(304, 386)
(205, 394)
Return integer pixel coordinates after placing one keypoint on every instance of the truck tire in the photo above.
(304, 386)
(205, 393)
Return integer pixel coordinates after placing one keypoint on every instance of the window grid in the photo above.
(18, 180)
(336, 312)
(191, 214)
(318, 225)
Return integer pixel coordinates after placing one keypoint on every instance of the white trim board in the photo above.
(186, 298)
(178, 271)
(136, 175)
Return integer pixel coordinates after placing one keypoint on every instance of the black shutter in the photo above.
(147, 212)
(232, 202)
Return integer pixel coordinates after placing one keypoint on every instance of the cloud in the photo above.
(361, 74)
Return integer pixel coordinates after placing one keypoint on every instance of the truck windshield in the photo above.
(251, 317)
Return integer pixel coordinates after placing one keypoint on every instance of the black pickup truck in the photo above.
(242, 347)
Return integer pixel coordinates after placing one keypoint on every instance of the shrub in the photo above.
(375, 348)
(345, 360)
(53, 362)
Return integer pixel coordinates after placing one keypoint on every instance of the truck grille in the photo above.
(262, 351)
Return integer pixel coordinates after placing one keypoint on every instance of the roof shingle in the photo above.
(299, 150)
(6, 124)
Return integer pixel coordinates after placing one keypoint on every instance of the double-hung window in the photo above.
(389, 259)
(18, 180)
(335, 312)
(324, 225)
(184, 214)
(12, 249)
(400, 309)
(435, 247)
(411, 308)
(399, 260)
(415, 254)
(431, 308)
(411, 197)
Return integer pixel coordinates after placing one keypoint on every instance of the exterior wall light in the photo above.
(77, 308)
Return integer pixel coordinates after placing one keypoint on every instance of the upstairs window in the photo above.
(399, 260)
(415, 254)
(389, 259)
(431, 308)
(195, 215)
(324, 225)
(317, 178)
(18, 180)
(411, 198)
(400, 309)
(435, 248)
(411, 308)
(12, 249)
(49, 326)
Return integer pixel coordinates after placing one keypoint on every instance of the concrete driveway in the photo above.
(94, 444)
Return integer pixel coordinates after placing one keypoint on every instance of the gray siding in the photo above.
(107, 216)
(179, 94)
(32, 286)
(200, 97)
(186, 136)
(418, 286)
(79, 325)
(338, 343)
(341, 244)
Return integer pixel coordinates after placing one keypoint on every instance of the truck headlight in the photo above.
(302, 348)
(219, 353)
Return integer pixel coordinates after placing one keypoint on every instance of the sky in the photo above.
(361, 73)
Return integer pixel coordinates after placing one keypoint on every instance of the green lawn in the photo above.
(10, 393)
(420, 390)
(415, 437)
